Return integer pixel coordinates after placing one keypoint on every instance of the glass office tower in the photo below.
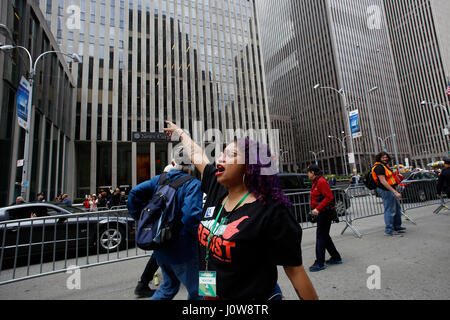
(146, 61)
(49, 165)
(419, 32)
(333, 43)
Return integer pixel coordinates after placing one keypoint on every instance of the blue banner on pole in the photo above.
(23, 102)
(354, 124)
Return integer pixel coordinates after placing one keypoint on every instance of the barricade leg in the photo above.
(441, 206)
(405, 215)
(348, 224)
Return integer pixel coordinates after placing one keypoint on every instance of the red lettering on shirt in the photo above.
(203, 235)
(232, 229)
(228, 245)
(217, 245)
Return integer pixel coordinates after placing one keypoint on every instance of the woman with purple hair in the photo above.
(247, 227)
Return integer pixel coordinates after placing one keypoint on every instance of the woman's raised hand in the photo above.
(172, 128)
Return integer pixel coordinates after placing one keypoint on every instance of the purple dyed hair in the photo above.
(261, 178)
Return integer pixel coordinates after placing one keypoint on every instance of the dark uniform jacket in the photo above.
(444, 182)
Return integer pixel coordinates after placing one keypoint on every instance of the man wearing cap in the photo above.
(444, 179)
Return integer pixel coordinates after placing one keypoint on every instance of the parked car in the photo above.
(293, 183)
(51, 231)
(418, 186)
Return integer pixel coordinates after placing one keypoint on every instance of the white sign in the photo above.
(19, 163)
(406, 162)
(351, 158)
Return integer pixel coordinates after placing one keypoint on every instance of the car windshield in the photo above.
(406, 175)
(289, 182)
(69, 208)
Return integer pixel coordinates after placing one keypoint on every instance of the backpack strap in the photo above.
(180, 181)
(163, 179)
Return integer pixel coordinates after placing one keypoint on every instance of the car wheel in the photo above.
(111, 239)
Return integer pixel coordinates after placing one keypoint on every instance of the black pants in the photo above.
(149, 270)
(323, 239)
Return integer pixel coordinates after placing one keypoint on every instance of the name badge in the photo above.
(207, 284)
(209, 212)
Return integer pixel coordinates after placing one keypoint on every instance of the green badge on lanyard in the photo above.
(207, 284)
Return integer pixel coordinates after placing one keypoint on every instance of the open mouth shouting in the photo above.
(220, 170)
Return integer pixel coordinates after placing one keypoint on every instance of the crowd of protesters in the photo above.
(105, 200)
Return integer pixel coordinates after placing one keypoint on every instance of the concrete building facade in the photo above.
(196, 63)
(51, 140)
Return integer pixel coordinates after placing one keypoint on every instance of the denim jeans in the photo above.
(174, 274)
(392, 210)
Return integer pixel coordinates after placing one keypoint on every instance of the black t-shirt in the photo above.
(379, 171)
(247, 248)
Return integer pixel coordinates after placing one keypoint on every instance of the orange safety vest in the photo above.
(392, 178)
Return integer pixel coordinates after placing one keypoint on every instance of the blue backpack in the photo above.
(159, 223)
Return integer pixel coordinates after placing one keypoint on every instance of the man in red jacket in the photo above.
(321, 203)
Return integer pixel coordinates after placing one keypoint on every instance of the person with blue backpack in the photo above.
(178, 259)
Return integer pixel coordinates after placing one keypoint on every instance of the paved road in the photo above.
(412, 267)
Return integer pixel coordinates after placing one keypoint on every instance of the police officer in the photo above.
(444, 179)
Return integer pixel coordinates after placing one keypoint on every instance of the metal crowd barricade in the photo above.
(36, 247)
(418, 193)
(301, 209)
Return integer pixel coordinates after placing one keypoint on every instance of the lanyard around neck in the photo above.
(214, 229)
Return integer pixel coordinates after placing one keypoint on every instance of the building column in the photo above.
(93, 173)
(133, 164)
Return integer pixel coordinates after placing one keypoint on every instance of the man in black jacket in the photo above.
(444, 180)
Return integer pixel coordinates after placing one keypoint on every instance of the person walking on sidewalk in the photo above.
(247, 227)
(444, 180)
(321, 204)
(179, 260)
(387, 181)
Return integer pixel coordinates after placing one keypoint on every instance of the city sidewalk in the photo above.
(412, 267)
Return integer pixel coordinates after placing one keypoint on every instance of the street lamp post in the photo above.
(437, 105)
(372, 127)
(315, 155)
(383, 142)
(369, 108)
(32, 73)
(341, 92)
(388, 109)
(342, 142)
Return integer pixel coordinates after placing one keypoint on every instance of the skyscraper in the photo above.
(146, 61)
(49, 165)
(340, 44)
(419, 32)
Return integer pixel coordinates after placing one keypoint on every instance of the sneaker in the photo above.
(393, 234)
(400, 229)
(315, 267)
(334, 261)
(143, 291)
